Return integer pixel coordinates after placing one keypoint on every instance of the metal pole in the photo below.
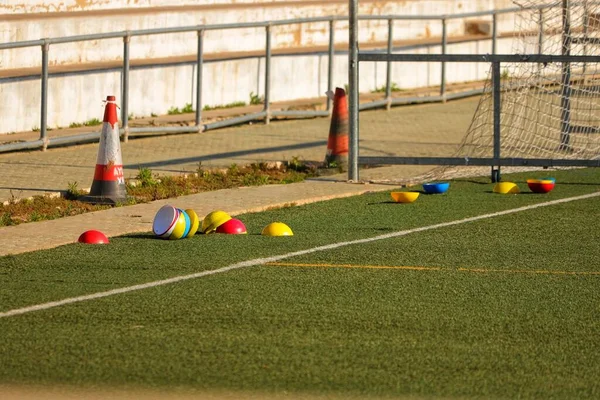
(565, 101)
(541, 41)
(494, 33)
(267, 105)
(586, 23)
(388, 74)
(125, 89)
(497, 109)
(353, 95)
(444, 48)
(541, 33)
(44, 94)
(199, 64)
(331, 57)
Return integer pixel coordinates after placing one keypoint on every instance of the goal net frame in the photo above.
(495, 92)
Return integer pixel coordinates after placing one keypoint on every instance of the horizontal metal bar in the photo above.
(416, 100)
(25, 43)
(165, 129)
(373, 104)
(307, 20)
(396, 101)
(84, 38)
(235, 121)
(396, 17)
(34, 144)
(466, 161)
(461, 95)
(80, 138)
(299, 113)
(513, 58)
(452, 16)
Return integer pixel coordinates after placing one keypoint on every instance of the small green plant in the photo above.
(92, 122)
(73, 191)
(199, 169)
(335, 165)
(75, 125)
(187, 108)
(233, 169)
(230, 105)
(130, 116)
(35, 129)
(35, 216)
(297, 164)
(174, 111)
(504, 74)
(256, 99)
(259, 166)
(153, 115)
(146, 177)
(393, 87)
(6, 219)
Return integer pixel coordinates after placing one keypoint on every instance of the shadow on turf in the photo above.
(518, 194)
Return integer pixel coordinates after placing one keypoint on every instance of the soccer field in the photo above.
(469, 294)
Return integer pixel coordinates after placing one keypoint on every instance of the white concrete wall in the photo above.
(76, 97)
(19, 26)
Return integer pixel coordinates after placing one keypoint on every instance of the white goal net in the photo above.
(549, 111)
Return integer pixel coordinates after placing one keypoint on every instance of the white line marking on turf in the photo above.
(259, 261)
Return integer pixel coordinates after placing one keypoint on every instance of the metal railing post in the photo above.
(353, 95)
(444, 49)
(331, 57)
(586, 23)
(267, 105)
(565, 98)
(125, 89)
(44, 94)
(496, 76)
(540, 40)
(494, 32)
(199, 64)
(388, 71)
(541, 33)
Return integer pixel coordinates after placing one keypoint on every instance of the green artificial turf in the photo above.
(505, 307)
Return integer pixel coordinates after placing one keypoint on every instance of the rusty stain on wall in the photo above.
(297, 36)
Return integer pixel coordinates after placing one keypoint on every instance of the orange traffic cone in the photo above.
(109, 183)
(337, 144)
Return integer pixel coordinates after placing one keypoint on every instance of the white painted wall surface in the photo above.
(76, 97)
(18, 26)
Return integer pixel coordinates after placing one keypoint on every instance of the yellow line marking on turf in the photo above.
(275, 264)
(418, 268)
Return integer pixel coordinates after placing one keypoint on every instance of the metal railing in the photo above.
(44, 141)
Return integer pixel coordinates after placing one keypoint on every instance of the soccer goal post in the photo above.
(540, 106)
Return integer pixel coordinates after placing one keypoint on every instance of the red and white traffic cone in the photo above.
(337, 143)
(108, 186)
